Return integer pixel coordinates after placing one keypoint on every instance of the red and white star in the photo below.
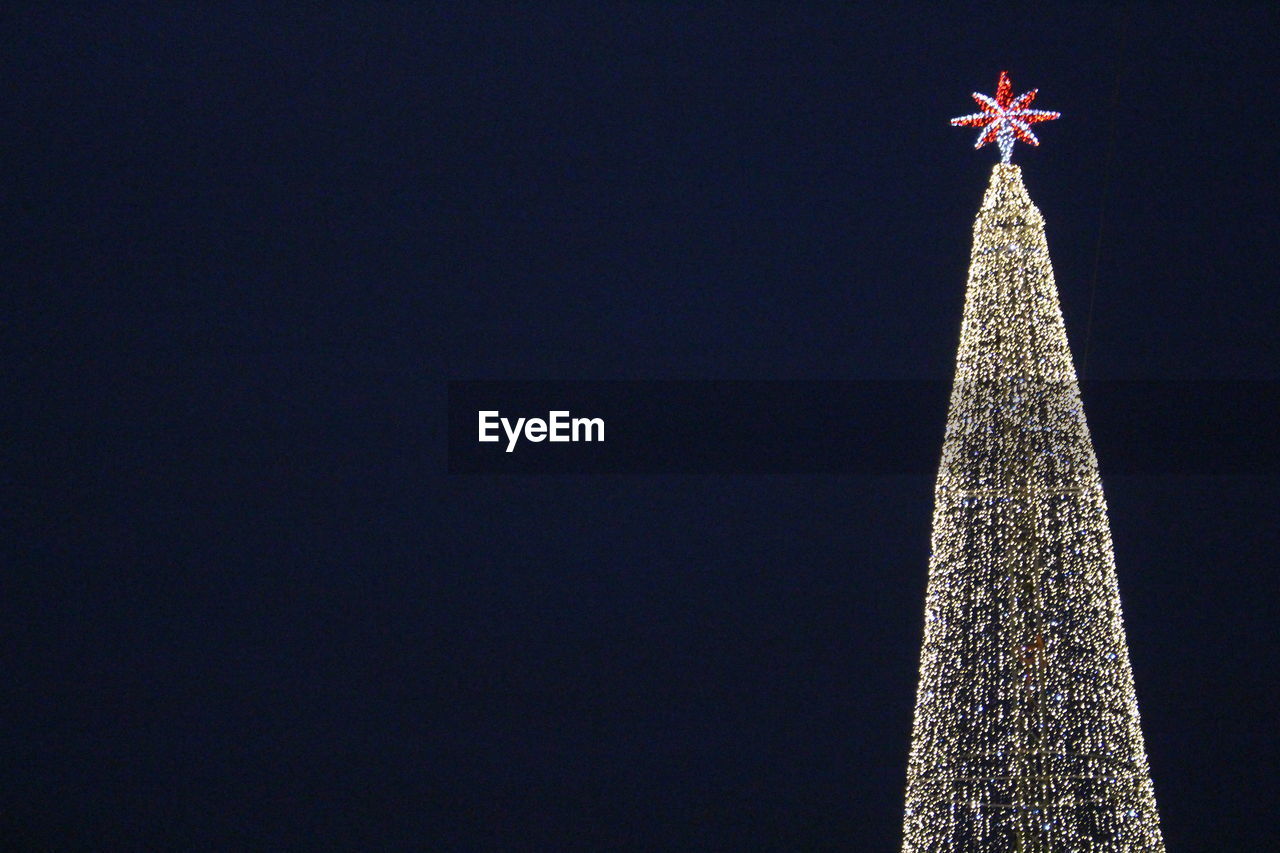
(1004, 118)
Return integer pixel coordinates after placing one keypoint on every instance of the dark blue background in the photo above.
(247, 245)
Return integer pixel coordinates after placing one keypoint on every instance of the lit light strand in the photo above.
(1026, 734)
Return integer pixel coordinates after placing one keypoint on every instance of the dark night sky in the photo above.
(244, 607)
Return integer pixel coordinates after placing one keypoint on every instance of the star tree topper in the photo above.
(1005, 118)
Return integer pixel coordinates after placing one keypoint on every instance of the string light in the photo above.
(1026, 734)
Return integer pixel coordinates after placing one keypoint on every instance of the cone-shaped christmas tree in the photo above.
(1026, 734)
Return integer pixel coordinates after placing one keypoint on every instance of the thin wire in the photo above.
(1106, 189)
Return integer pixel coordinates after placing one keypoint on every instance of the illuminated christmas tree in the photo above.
(1026, 734)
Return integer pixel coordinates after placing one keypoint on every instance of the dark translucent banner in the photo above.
(855, 427)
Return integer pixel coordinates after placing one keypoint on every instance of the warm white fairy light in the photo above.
(1026, 734)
